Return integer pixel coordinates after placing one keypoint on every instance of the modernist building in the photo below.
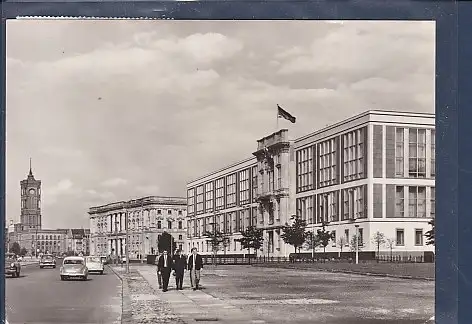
(371, 173)
(147, 218)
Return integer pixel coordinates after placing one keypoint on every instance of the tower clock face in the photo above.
(31, 191)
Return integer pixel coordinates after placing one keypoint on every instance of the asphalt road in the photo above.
(281, 296)
(39, 296)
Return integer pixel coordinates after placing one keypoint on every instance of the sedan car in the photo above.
(94, 264)
(74, 267)
(12, 265)
(47, 260)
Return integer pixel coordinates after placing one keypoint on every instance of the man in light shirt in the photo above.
(195, 264)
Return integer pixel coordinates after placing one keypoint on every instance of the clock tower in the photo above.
(30, 202)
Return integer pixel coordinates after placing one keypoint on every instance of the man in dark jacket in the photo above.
(165, 266)
(195, 264)
(180, 263)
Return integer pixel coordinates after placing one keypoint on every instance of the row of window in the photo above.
(102, 228)
(415, 155)
(417, 201)
(235, 189)
(334, 206)
(323, 157)
(31, 203)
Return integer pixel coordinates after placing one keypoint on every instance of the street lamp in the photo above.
(357, 244)
(127, 239)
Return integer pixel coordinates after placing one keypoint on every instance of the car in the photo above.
(12, 265)
(74, 267)
(94, 264)
(104, 259)
(47, 260)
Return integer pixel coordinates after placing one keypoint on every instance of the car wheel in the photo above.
(18, 274)
(85, 278)
(41, 267)
(101, 272)
(54, 267)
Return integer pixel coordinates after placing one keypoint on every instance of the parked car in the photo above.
(104, 259)
(94, 264)
(74, 267)
(47, 260)
(12, 265)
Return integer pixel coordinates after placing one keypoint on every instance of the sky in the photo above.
(116, 110)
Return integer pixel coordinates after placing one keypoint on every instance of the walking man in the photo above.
(195, 264)
(159, 275)
(165, 267)
(180, 263)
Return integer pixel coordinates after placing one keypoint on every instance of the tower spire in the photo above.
(31, 170)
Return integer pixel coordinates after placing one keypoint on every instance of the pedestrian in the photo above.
(159, 275)
(195, 264)
(180, 264)
(165, 267)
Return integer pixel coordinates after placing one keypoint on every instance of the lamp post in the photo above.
(357, 244)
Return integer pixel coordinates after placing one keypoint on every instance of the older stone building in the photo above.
(147, 218)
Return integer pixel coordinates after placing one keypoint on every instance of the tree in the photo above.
(23, 251)
(390, 244)
(295, 234)
(353, 242)
(342, 241)
(311, 241)
(15, 248)
(166, 242)
(225, 242)
(324, 237)
(378, 239)
(252, 238)
(430, 238)
(216, 239)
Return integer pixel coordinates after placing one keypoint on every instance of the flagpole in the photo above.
(277, 123)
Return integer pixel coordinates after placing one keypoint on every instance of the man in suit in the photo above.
(165, 267)
(195, 264)
(180, 263)
(158, 271)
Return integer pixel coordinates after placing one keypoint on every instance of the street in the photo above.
(39, 296)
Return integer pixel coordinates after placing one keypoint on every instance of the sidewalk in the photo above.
(196, 306)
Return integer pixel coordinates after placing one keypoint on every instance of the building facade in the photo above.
(40, 241)
(371, 173)
(147, 218)
(30, 217)
(77, 241)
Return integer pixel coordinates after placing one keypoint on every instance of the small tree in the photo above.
(23, 251)
(225, 242)
(215, 238)
(378, 239)
(15, 248)
(341, 243)
(390, 244)
(252, 238)
(311, 241)
(355, 239)
(295, 234)
(324, 237)
(430, 238)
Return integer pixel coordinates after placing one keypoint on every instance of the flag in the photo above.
(284, 114)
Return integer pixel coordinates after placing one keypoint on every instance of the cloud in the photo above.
(114, 182)
(159, 103)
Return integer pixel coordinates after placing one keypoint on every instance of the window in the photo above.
(254, 183)
(353, 155)
(433, 202)
(327, 163)
(354, 204)
(209, 197)
(159, 212)
(180, 212)
(169, 224)
(333, 238)
(254, 217)
(399, 152)
(169, 212)
(305, 169)
(180, 225)
(244, 187)
(346, 236)
(433, 153)
(400, 201)
(400, 237)
(190, 202)
(361, 236)
(220, 191)
(180, 247)
(418, 237)
(328, 207)
(159, 224)
(231, 190)
(417, 202)
(417, 153)
(199, 199)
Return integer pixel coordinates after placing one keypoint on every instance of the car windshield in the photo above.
(47, 257)
(73, 261)
(94, 259)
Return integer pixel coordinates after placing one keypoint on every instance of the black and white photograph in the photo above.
(166, 171)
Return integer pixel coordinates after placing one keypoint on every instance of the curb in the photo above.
(126, 313)
(29, 264)
(371, 274)
(122, 290)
